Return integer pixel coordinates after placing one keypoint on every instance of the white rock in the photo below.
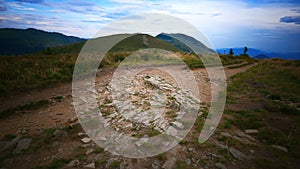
(90, 151)
(179, 125)
(280, 148)
(91, 165)
(251, 131)
(86, 140)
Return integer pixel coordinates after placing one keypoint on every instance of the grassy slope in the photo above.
(41, 70)
(267, 98)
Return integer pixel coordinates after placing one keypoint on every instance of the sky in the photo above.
(269, 25)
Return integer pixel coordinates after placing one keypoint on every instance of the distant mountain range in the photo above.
(255, 53)
(24, 41)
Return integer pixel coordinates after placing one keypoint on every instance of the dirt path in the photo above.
(62, 113)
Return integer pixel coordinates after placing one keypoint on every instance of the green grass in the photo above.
(115, 164)
(266, 98)
(59, 163)
(264, 163)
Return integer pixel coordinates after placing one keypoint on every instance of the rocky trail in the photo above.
(52, 136)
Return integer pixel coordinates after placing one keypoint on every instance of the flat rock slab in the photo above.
(280, 148)
(220, 166)
(22, 144)
(169, 164)
(86, 140)
(251, 131)
(91, 165)
(237, 154)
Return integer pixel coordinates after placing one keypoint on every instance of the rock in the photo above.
(22, 144)
(59, 133)
(213, 155)
(179, 125)
(90, 151)
(237, 154)
(155, 164)
(188, 161)
(251, 131)
(221, 145)
(91, 165)
(86, 140)
(226, 134)
(280, 148)
(73, 163)
(56, 144)
(81, 134)
(220, 166)
(244, 135)
(169, 163)
(252, 151)
(191, 149)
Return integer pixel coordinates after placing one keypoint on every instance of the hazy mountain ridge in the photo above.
(256, 53)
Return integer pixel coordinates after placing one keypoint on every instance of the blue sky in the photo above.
(271, 25)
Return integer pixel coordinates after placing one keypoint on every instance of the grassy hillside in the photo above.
(20, 41)
(189, 41)
(178, 44)
(266, 98)
(142, 41)
(133, 43)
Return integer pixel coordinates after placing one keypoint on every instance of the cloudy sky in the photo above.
(271, 25)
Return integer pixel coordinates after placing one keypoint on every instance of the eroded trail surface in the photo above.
(60, 113)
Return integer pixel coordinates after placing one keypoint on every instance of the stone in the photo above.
(56, 144)
(188, 161)
(86, 140)
(90, 151)
(251, 131)
(220, 166)
(178, 125)
(22, 144)
(191, 149)
(59, 133)
(169, 164)
(244, 135)
(91, 165)
(73, 163)
(155, 164)
(226, 134)
(280, 148)
(237, 154)
(81, 134)
(221, 145)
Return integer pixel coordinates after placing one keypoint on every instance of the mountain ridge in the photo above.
(24, 41)
(256, 52)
